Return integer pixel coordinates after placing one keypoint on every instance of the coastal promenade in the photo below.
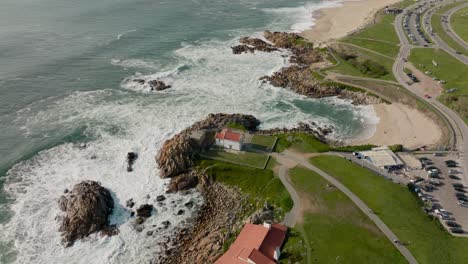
(290, 159)
(456, 125)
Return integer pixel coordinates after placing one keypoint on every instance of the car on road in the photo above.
(456, 230)
(427, 96)
(451, 176)
(452, 224)
(438, 154)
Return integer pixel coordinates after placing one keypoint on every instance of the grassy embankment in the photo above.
(449, 69)
(459, 22)
(334, 230)
(436, 23)
(382, 41)
(400, 210)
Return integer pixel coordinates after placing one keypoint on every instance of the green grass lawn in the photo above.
(448, 69)
(263, 142)
(259, 185)
(243, 158)
(301, 142)
(334, 229)
(400, 210)
(459, 23)
(346, 68)
(436, 24)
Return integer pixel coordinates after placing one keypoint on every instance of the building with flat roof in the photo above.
(382, 157)
(229, 139)
(256, 244)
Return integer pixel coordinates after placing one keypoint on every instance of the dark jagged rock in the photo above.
(188, 204)
(178, 153)
(87, 208)
(144, 210)
(180, 212)
(183, 182)
(158, 85)
(130, 203)
(160, 198)
(131, 157)
(239, 49)
(140, 81)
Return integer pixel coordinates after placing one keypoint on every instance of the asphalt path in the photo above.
(458, 128)
(448, 27)
(288, 157)
(439, 43)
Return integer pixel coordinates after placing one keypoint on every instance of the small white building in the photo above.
(229, 139)
(382, 157)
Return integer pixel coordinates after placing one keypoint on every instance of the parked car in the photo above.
(462, 203)
(434, 182)
(452, 224)
(458, 185)
(456, 230)
(452, 171)
(458, 189)
(451, 176)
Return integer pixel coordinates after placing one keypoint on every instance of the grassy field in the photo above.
(301, 142)
(262, 142)
(459, 22)
(259, 185)
(251, 159)
(346, 67)
(436, 24)
(334, 229)
(400, 210)
(448, 69)
(380, 36)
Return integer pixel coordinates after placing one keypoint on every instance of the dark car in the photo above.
(458, 185)
(457, 194)
(460, 189)
(451, 165)
(450, 161)
(452, 224)
(456, 230)
(451, 176)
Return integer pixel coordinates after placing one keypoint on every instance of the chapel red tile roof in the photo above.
(256, 243)
(228, 134)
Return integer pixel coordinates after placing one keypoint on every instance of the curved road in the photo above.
(456, 124)
(288, 157)
(436, 39)
(452, 33)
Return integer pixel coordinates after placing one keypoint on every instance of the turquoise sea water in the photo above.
(63, 80)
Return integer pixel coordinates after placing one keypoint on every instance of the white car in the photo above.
(452, 171)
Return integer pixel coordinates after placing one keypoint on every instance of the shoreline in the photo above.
(332, 23)
(397, 123)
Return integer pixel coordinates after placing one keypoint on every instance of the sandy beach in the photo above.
(337, 22)
(400, 124)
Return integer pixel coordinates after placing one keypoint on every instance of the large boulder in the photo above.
(87, 208)
(183, 182)
(158, 85)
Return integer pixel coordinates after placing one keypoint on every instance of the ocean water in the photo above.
(69, 113)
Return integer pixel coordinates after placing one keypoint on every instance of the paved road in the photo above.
(291, 217)
(436, 39)
(448, 27)
(458, 128)
(290, 157)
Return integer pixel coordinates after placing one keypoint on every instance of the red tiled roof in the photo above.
(255, 242)
(229, 135)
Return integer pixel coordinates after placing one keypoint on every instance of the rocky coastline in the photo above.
(299, 76)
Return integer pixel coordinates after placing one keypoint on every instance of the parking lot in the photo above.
(443, 196)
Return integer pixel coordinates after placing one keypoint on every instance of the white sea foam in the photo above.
(205, 78)
(298, 19)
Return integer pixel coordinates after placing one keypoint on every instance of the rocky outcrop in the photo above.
(183, 182)
(87, 208)
(218, 220)
(251, 45)
(285, 40)
(177, 155)
(157, 85)
(300, 80)
(131, 158)
(144, 210)
(264, 214)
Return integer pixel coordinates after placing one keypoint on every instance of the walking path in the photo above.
(448, 27)
(291, 159)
